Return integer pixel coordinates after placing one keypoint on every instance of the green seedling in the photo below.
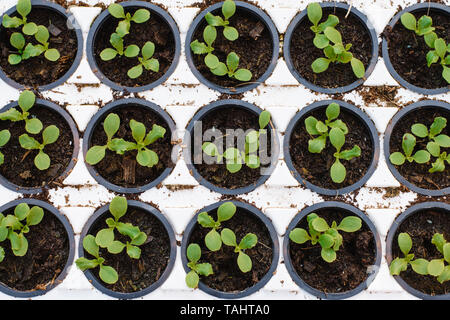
(231, 69)
(145, 62)
(228, 10)
(329, 40)
(422, 27)
(42, 36)
(26, 101)
(24, 52)
(408, 145)
(23, 8)
(435, 267)
(338, 171)
(235, 158)
(5, 135)
(123, 28)
(248, 241)
(328, 237)
(49, 136)
(194, 254)
(225, 212)
(14, 227)
(116, 41)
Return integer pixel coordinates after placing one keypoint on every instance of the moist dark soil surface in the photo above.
(304, 53)
(19, 166)
(421, 227)
(408, 51)
(123, 170)
(227, 276)
(155, 30)
(416, 173)
(216, 173)
(315, 167)
(39, 71)
(48, 251)
(348, 271)
(254, 47)
(136, 274)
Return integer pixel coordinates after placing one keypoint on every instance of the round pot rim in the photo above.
(77, 60)
(264, 17)
(76, 146)
(298, 280)
(99, 20)
(275, 249)
(364, 21)
(385, 49)
(70, 236)
(390, 238)
(173, 249)
(187, 150)
(365, 119)
(387, 137)
(110, 107)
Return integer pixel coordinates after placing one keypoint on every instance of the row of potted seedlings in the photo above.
(231, 46)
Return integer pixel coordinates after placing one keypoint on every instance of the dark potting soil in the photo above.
(421, 226)
(254, 47)
(304, 53)
(416, 173)
(222, 119)
(408, 51)
(354, 258)
(227, 276)
(19, 166)
(315, 167)
(123, 170)
(155, 30)
(48, 251)
(136, 274)
(39, 71)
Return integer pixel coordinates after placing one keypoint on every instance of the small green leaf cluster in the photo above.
(105, 239)
(5, 135)
(145, 157)
(26, 51)
(436, 267)
(335, 130)
(329, 40)
(247, 242)
(328, 237)
(218, 68)
(436, 141)
(14, 227)
(49, 135)
(146, 61)
(194, 253)
(234, 157)
(440, 50)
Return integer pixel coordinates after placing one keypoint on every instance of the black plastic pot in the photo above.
(303, 15)
(76, 145)
(122, 103)
(247, 7)
(275, 247)
(154, 9)
(70, 235)
(61, 11)
(354, 111)
(352, 211)
(440, 206)
(223, 104)
(425, 104)
(385, 49)
(173, 250)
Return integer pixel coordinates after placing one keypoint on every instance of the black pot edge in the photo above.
(276, 250)
(390, 238)
(296, 278)
(385, 51)
(78, 57)
(70, 235)
(355, 111)
(90, 129)
(387, 137)
(173, 251)
(115, 86)
(275, 41)
(187, 151)
(287, 49)
(76, 146)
